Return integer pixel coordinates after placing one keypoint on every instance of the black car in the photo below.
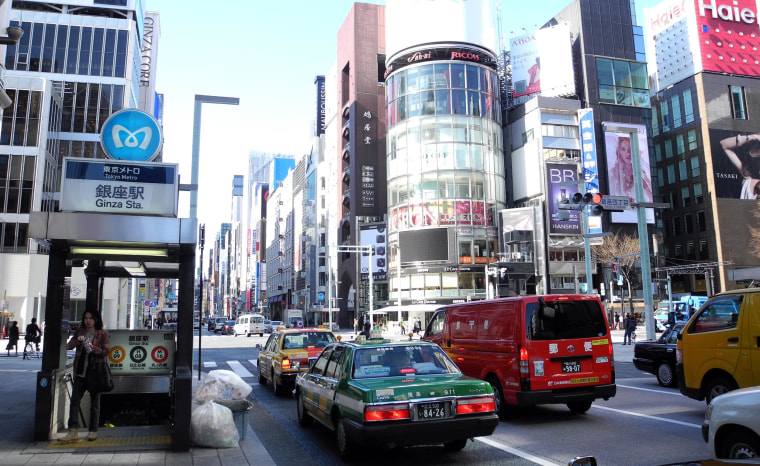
(658, 357)
(211, 324)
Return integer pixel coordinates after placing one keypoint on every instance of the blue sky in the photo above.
(266, 53)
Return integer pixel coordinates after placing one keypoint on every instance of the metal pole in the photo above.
(329, 288)
(646, 271)
(587, 249)
(201, 240)
(371, 282)
(398, 279)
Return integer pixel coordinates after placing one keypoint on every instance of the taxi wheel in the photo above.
(498, 396)
(303, 417)
(456, 445)
(346, 446)
(262, 379)
(276, 388)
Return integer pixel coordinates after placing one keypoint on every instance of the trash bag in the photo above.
(212, 425)
(222, 385)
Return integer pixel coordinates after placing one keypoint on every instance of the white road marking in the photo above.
(656, 418)
(255, 362)
(665, 392)
(239, 369)
(514, 451)
(209, 364)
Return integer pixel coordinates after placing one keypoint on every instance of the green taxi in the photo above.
(376, 393)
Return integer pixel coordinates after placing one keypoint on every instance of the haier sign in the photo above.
(131, 135)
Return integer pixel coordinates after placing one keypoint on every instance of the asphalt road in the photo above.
(644, 424)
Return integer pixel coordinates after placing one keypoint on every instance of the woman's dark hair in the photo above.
(98, 320)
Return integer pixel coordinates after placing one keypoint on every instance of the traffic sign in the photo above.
(321, 297)
(615, 203)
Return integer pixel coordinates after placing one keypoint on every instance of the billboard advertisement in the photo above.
(620, 175)
(543, 62)
(409, 23)
(718, 36)
(562, 221)
(374, 235)
(736, 164)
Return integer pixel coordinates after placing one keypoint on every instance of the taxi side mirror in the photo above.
(583, 461)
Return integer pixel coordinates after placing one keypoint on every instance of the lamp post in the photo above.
(201, 99)
(201, 242)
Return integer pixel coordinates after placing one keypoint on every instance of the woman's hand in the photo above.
(80, 338)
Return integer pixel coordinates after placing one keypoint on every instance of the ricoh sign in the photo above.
(723, 35)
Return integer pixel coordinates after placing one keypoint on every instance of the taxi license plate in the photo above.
(431, 411)
(570, 367)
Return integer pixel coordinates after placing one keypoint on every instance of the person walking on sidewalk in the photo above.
(33, 334)
(630, 326)
(617, 320)
(13, 337)
(90, 339)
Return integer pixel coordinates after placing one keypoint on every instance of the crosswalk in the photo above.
(235, 366)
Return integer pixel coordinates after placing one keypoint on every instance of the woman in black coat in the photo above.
(13, 337)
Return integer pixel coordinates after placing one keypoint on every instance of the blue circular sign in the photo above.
(321, 296)
(131, 135)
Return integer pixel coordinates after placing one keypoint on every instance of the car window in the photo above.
(321, 364)
(559, 320)
(720, 313)
(333, 365)
(384, 361)
(436, 324)
(271, 343)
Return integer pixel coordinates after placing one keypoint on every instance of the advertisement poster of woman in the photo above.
(737, 165)
(620, 174)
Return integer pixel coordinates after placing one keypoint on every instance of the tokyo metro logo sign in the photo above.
(131, 135)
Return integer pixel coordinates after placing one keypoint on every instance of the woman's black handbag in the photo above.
(99, 378)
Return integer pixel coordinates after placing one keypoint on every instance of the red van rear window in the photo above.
(562, 320)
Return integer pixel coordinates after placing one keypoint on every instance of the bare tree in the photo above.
(754, 234)
(615, 246)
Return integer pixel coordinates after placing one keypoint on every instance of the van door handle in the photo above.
(733, 340)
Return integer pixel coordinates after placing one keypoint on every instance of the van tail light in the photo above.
(386, 412)
(612, 361)
(482, 404)
(524, 369)
(286, 363)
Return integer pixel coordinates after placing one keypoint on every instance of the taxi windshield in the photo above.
(307, 340)
(407, 360)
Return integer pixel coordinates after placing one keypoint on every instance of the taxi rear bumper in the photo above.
(400, 433)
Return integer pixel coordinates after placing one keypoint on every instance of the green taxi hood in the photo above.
(402, 388)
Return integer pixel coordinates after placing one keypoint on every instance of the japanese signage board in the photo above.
(141, 352)
(117, 187)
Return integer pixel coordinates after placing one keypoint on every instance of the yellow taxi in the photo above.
(287, 353)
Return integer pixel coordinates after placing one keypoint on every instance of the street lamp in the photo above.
(201, 242)
(201, 99)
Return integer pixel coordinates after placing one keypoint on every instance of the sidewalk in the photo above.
(17, 391)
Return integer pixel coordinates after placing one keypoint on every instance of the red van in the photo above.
(531, 349)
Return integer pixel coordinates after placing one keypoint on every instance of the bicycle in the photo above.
(31, 350)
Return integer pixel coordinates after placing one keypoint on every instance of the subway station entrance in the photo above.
(106, 246)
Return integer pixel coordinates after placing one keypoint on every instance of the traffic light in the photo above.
(616, 272)
(578, 201)
(593, 200)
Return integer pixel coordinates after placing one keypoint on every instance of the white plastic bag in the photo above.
(212, 425)
(222, 385)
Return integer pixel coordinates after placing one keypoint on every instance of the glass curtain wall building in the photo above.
(445, 172)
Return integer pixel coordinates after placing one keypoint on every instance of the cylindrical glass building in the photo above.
(445, 171)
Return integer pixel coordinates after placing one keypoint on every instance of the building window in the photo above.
(658, 152)
(655, 122)
(688, 107)
(527, 136)
(622, 82)
(676, 102)
(676, 226)
(701, 223)
(704, 252)
(695, 166)
(665, 116)
(683, 173)
(738, 103)
(691, 253)
(685, 198)
(671, 174)
(680, 148)
(698, 199)
(691, 136)
(687, 223)
(677, 251)
(660, 178)
(668, 149)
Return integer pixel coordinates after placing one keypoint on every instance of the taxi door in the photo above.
(311, 386)
(266, 354)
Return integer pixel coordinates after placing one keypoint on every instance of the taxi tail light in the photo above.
(386, 412)
(524, 369)
(481, 404)
(286, 363)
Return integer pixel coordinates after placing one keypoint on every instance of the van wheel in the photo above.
(579, 407)
(498, 397)
(718, 386)
(739, 445)
(665, 374)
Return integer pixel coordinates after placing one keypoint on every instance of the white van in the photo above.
(248, 324)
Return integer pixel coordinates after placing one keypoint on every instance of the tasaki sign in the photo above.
(131, 135)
